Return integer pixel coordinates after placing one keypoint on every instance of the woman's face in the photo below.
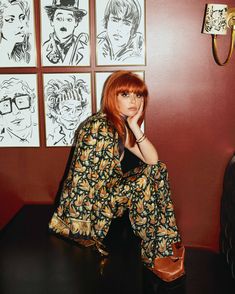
(14, 24)
(129, 103)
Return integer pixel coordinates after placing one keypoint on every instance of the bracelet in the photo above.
(137, 141)
(141, 139)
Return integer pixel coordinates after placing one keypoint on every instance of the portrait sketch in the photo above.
(65, 32)
(67, 100)
(17, 33)
(120, 32)
(19, 111)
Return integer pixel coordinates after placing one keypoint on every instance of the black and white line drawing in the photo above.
(17, 39)
(67, 103)
(120, 26)
(18, 111)
(68, 40)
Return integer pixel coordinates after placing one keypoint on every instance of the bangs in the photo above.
(131, 84)
(120, 10)
(123, 7)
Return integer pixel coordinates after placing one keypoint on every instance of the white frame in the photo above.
(7, 137)
(51, 125)
(5, 61)
(102, 42)
(83, 27)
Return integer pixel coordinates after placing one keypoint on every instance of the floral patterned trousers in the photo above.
(145, 191)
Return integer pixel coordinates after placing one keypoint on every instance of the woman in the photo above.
(14, 38)
(96, 190)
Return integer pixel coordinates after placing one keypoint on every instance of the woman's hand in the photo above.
(143, 149)
(133, 120)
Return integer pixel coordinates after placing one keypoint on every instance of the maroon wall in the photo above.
(190, 119)
(191, 115)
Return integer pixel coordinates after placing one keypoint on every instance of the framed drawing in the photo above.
(17, 42)
(120, 32)
(19, 111)
(65, 32)
(67, 100)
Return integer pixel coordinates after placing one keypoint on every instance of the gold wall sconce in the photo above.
(218, 17)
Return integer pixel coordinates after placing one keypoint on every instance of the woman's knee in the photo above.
(158, 167)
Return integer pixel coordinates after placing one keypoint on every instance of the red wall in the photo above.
(190, 119)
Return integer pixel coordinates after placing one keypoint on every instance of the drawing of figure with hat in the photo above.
(65, 46)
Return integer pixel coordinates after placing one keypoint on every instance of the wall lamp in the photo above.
(218, 17)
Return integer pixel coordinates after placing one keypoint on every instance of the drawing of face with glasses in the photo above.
(16, 109)
(66, 102)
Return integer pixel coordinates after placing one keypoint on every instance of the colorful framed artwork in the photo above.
(120, 32)
(68, 102)
(65, 33)
(19, 111)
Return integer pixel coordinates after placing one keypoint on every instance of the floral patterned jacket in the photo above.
(87, 203)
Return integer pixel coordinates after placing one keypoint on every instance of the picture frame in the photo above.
(67, 102)
(120, 32)
(19, 118)
(17, 44)
(65, 33)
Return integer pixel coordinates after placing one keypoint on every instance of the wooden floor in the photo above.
(36, 262)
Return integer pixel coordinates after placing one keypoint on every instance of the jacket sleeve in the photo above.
(85, 205)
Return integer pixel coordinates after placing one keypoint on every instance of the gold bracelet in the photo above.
(137, 141)
(141, 139)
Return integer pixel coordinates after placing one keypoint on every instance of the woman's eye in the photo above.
(22, 17)
(9, 19)
(125, 94)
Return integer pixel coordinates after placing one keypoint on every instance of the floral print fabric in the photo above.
(96, 191)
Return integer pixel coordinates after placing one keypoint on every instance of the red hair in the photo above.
(122, 82)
